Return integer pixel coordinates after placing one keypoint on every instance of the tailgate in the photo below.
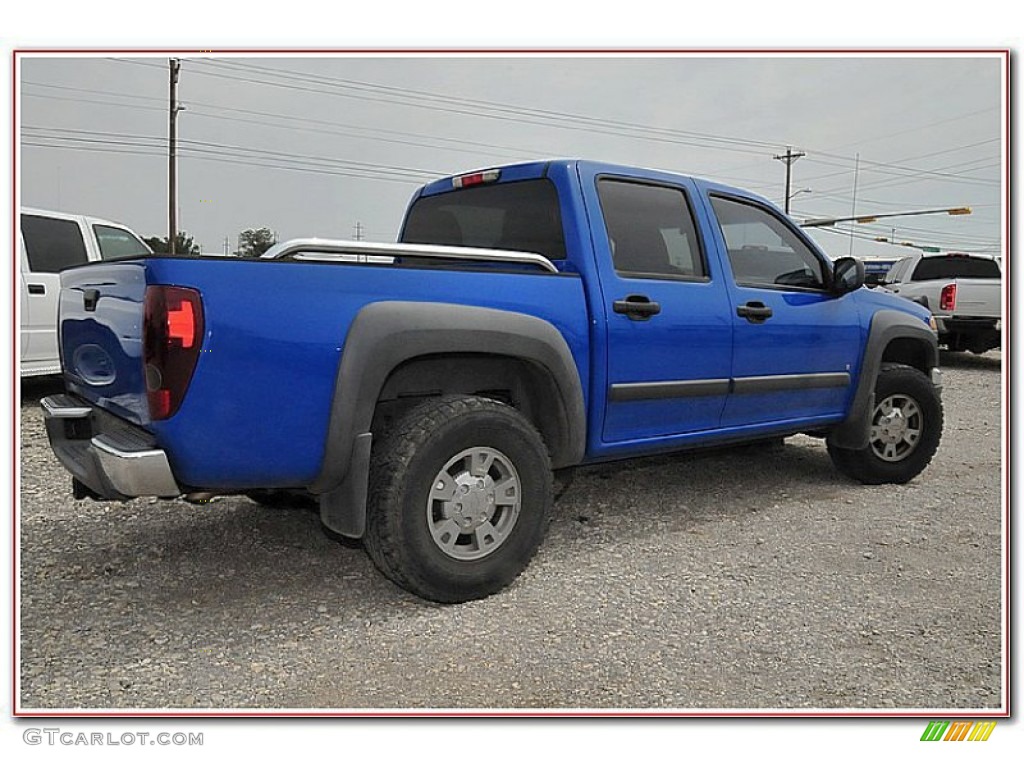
(978, 298)
(100, 322)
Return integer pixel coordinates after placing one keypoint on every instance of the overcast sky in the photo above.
(937, 119)
(314, 145)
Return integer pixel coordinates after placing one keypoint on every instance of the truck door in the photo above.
(796, 346)
(669, 329)
(51, 244)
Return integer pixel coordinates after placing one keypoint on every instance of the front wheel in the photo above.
(905, 429)
(460, 498)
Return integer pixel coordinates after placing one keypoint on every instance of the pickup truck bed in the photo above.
(534, 317)
(264, 381)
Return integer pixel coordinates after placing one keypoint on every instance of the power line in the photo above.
(241, 155)
(89, 90)
(950, 150)
(517, 112)
(593, 125)
(428, 99)
(432, 97)
(306, 77)
(87, 137)
(294, 161)
(219, 157)
(134, 62)
(93, 101)
(901, 178)
(341, 82)
(905, 171)
(303, 121)
(211, 155)
(964, 167)
(915, 129)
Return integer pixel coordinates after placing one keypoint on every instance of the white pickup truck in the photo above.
(963, 291)
(50, 242)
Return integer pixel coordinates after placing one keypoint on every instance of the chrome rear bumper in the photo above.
(113, 458)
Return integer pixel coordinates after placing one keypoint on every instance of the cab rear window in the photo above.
(516, 216)
(948, 267)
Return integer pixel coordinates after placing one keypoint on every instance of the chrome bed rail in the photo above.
(318, 249)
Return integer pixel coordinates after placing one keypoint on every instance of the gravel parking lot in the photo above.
(749, 578)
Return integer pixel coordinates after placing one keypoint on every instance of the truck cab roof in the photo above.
(541, 168)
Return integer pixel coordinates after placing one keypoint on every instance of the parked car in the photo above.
(50, 242)
(964, 292)
(534, 317)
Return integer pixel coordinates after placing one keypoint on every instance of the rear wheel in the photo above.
(460, 498)
(905, 429)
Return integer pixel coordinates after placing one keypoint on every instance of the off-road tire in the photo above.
(865, 465)
(404, 467)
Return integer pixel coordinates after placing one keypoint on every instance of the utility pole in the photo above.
(789, 158)
(359, 230)
(172, 157)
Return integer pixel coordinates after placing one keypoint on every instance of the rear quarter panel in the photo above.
(257, 410)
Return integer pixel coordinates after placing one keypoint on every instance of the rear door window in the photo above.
(651, 231)
(52, 244)
(117, 243)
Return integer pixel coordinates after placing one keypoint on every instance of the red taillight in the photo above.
(181, 324)
(171, 338)
(947, 299)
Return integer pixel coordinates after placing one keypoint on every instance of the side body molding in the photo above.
(887, 325)
(386, 334)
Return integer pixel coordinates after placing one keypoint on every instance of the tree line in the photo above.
(252, 243)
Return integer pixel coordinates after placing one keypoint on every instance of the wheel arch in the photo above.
(893, 337)
(909, 350)
(393, 344)
(520, 382)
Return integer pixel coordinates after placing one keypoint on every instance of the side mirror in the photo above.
(847, 275)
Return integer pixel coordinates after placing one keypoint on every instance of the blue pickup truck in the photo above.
(532, 318)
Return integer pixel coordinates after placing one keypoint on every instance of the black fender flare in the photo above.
(386, 334)
(887, 325)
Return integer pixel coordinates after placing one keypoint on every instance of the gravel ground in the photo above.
(748, 578)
